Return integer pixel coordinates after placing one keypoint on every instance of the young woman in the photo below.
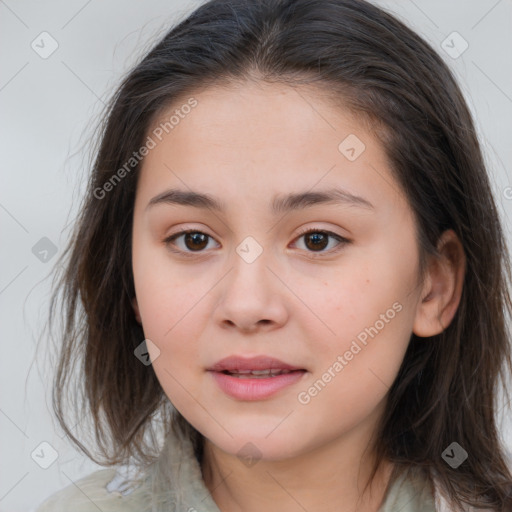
(288, 284)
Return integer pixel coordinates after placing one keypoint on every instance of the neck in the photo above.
(328, 478)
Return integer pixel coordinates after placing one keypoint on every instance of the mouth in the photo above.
(258, 374)
(256, 365)
(255, 378)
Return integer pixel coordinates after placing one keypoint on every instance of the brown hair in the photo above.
(446, 388)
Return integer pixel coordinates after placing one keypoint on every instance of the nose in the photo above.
(252, 297)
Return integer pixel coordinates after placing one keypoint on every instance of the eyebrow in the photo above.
(279, 205)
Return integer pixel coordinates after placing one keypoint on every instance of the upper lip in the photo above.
(233, 363)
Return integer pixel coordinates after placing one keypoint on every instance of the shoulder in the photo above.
(90, 494)
(410, 492)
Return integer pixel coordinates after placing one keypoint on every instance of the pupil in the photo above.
(196, 238)
(319, 240)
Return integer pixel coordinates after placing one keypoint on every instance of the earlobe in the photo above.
(135, 306)
(442, 291)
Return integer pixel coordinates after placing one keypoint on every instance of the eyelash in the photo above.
(342, 241)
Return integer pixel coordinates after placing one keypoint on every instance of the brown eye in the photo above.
(193, 241)
(316, 241)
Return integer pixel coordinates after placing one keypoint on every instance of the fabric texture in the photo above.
(174, 484)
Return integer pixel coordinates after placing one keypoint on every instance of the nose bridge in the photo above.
(250, 295)
(250, 260)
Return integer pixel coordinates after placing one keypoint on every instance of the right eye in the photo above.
(193, 240)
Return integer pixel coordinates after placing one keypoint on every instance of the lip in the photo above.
(233, 363)
(257, 388)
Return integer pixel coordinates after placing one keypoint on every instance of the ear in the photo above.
(442, 288)
(135, 306)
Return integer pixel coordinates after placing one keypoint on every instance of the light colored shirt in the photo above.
(176, 483)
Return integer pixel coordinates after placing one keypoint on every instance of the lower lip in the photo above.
(258, 388)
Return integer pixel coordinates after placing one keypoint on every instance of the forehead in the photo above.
(259, 115)
(256, 136)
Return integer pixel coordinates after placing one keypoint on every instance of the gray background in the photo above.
(49, 107)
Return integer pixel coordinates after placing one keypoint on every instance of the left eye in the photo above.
(318, 240)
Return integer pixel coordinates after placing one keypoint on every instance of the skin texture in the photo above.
(245, 145)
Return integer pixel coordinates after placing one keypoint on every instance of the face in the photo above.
(337, 304)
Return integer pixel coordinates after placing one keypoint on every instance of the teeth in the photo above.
(247, 374)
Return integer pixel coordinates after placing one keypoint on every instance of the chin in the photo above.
(254, 444)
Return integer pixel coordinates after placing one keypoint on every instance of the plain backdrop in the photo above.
(49, 104)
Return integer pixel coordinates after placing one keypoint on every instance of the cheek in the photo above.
(355, 367)
(368, 308)
(171, 322)
(353, 297)
(163, 290)
(169, 307)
